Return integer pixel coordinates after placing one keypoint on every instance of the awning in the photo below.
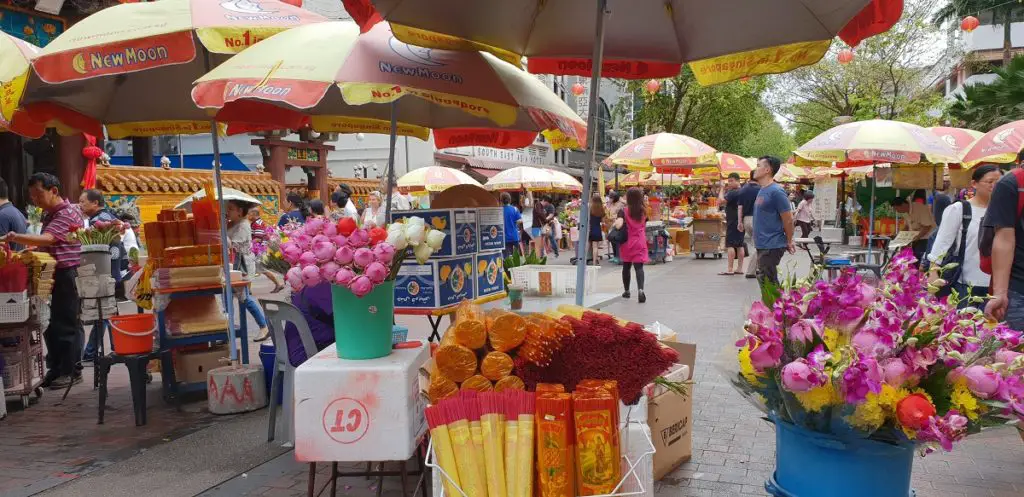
(487, 173)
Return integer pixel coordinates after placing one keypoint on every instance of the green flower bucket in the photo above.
(362, 326)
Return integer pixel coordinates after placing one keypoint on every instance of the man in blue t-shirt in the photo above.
(773, 220)
(11, 219)
(513, 219)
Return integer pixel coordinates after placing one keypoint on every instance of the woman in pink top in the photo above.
(634, 251)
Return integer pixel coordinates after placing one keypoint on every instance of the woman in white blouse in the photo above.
(373, 214)
(969, 278)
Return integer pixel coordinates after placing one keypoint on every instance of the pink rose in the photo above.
(329, 270)
(294, 278)
(895, 371)
(982, 381)
(324, 251)
(360, 285)
(313, 227)
(799, 376)
(363, 256)
(307, 258)
(384, 252)
(803, 330)
(344, 276)
(766, 355)
(330, 229)
(290, 252)
(359, 238)
(344, 255)
(310, 276)
(376, 272)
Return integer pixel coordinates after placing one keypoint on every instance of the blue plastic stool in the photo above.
(810, 464)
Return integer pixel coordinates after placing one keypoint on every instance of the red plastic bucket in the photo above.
(133, 333)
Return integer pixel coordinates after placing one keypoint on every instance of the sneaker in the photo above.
(264, 334)
(641, 298)
(625, 294)
(51, 375)
(63, 382)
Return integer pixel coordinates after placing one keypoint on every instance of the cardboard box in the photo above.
(458, 224)
(670, 416)
(191, 367)
(490, 223)
(489, 273)
(436, 284)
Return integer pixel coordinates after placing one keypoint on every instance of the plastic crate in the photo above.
(13, 374)
(563, 280)
(14, 307)
(399, 334)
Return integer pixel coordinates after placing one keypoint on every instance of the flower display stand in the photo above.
(363, 325)
(809, 464)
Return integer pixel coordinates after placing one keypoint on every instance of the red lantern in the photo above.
(578, 89)
(652, 86)
(970, 23)
(845, 56)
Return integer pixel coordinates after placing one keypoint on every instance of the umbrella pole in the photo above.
(871, 210)
(595, 89)
(229, 302)
(391, 160)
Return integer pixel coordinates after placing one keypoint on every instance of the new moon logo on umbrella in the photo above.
(97, 61)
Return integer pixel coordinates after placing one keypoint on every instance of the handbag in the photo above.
(618, 235)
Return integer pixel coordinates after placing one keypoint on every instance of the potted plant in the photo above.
(855, 377)
(361, 266)
(96, 241)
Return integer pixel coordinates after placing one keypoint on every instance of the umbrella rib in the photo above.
(533, 24)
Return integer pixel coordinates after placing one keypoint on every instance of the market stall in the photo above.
(26, 281)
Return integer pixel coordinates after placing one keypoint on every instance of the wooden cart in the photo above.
(708, 238)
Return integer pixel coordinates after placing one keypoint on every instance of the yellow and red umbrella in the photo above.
(330, 76)
(665, 153)
(131, 66)
(875, 141)
(434, 179)
(1000, 146)
(522, 178)
(959, 139)
(15, 62)
(635, 178)
(790, 173)
(728, 164)
(565, 182)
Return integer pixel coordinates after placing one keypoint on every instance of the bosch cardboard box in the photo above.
(670, 415)
(436, 284)
(490, 223)
(489, 273)
(458, 224)
(191, 367)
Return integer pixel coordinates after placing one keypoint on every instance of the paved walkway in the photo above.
(733, 448)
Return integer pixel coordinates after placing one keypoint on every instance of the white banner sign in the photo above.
(825, 198)
(532, 155)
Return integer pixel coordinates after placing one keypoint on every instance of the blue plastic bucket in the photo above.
(809, 464)
(267, 355)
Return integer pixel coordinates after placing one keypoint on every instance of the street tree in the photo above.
(986, 106)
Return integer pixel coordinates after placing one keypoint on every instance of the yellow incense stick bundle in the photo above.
(524, 445)
(471, 406)
(443, 452)
(511, 441)
(492, 422)
(470, 475)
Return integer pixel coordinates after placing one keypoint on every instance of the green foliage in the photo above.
(672, 191)
(730, 116)
(890, 77)
(516, 260)
(955, 10)
(988, 106)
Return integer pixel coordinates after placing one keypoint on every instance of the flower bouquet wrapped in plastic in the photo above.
(891, 363)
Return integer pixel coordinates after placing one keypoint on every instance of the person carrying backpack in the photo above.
(1002, 250)
(956, 240)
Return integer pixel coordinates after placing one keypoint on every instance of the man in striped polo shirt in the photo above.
(64, 336)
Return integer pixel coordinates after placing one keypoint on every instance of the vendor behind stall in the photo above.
(64, 336)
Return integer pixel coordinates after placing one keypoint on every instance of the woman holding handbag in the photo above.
(960, 221)
(632, 221)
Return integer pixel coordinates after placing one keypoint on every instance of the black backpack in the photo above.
(959, 249)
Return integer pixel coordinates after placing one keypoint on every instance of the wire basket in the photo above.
(14, 307)
(556, 281)
(630, 485)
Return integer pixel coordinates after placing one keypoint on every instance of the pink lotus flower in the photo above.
(290, 252)
(344, 255)
(799, 376)
(307, 258)
(339, 240)
(321, 238)
(359, 238)
(803, 330)
(344, 276)
(330, 229)
(766, 355)
(361, 285)
(376, 272)
(384, 252)
(982, 381)
(324, 251)
(294, 278)
(363, 257)
(310, 276)
(895, 371)
(313, 227)
(1006, 356)
(329, 270)
(303, 241)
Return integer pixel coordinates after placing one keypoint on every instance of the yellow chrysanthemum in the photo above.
(747, 367)
(817, 399)
(834, 341)
(889, 397)
(964, 401)
(910, 433)
(869, 415)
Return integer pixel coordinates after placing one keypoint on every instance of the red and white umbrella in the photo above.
(665, 153)
(1000, 146)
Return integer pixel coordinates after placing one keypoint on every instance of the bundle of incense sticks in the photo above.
(492, 421)
(443, 453)
(525, 405)
(471, 473)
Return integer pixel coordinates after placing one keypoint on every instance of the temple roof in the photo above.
(136, 180)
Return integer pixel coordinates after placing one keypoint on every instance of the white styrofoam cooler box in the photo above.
(354, 411)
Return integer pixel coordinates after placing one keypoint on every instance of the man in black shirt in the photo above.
(11, 219)
(734, 246)
(1007, 285)
(747, 197)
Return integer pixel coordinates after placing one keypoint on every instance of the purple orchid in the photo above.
(944, 430)
(862, 377)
